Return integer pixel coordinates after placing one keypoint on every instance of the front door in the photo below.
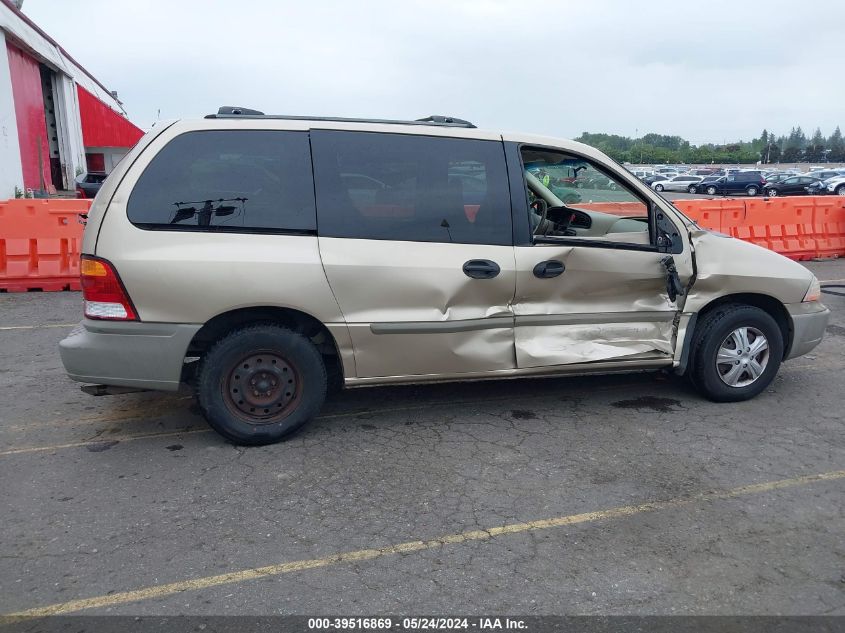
(416, 241)
(591, 287)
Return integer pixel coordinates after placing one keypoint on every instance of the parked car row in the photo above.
(750, 182)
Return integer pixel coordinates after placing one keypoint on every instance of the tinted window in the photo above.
(228, 180)
(411, 188)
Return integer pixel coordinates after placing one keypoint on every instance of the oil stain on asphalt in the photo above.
(99, 447)
(651, 403)
(523, 414)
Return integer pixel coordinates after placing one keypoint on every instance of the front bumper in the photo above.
(127, 353)
(809, 321)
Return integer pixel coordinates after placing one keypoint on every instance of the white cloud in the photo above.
(709, 71)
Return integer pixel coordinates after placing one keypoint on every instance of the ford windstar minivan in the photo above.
(260, 259)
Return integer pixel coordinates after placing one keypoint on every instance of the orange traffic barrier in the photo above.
(756, 228)
(732, 213)
(707, 213)
(829, 226)
(40, 242)
(622, 209)
(800, 227)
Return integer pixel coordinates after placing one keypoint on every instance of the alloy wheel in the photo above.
(742, 357)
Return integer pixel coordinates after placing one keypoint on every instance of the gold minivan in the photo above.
(261, 259)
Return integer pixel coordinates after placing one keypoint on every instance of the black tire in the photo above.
(692, 189)
(772, 193)
(711, 331)
(840, 190)
(752, 191)
(291, 362)
(711, 191)
(658, 187)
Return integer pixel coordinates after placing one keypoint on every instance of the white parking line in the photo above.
(37, 327)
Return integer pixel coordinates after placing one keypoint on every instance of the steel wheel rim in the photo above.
(263, 387)
(742, 357)
(773, 193)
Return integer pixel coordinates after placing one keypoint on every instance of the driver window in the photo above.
(594, 204)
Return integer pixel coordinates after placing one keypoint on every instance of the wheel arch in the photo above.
(772, 306)
(296, 320)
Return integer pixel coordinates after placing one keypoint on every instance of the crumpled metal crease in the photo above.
(583, 343)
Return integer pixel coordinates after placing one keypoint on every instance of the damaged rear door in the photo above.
(416, 240)
(595, 288)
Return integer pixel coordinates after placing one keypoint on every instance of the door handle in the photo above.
(548, 269)
(481, 269)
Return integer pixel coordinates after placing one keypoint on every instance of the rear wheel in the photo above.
(691, 189)
(752, 191)
(736, 352)
(260, 384)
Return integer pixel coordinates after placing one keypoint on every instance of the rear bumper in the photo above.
(809, 321)
(127, 354)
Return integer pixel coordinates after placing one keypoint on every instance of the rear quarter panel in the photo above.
(191, 277)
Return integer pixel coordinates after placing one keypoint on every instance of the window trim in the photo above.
(231, 229)
(507, 183)
(651, 205)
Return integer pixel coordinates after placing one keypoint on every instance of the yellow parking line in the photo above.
(161, 591)
(37, 327)
(100, 440)
(158, 408)
(153, 409)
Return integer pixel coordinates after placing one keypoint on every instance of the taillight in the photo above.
(103, 292)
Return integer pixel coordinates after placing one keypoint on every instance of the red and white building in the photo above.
(56, 119)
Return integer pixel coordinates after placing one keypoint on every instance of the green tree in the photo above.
(836, 146)
(815, 147)
(657, 148)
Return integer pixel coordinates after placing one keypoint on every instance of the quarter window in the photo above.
(411, 188)
(228, 180)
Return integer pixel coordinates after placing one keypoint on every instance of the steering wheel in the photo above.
(539, 217)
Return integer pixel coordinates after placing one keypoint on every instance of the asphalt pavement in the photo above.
(600, 495)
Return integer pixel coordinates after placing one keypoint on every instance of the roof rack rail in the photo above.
(235, 112)
(439, 119)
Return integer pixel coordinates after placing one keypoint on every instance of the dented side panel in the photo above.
(609, 304)
(411, 309)
(727, 266)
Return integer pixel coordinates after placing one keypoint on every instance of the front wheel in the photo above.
(736, 352)
(711, 191)
(772, 193)
(260, 384)
(658, 187)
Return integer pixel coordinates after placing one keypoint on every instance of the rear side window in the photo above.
(411, 188)
(228, 180)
